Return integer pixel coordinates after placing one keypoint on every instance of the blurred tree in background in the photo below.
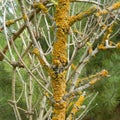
(55, 57)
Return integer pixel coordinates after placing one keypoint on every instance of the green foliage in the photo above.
(6, 112)
(108, 88)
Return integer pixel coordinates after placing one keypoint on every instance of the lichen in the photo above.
(115, 6)
(59, 87)
(37, 53)
(40, 6)
(82, 15)
(25, 17)
(92, 81)
(118, 45)
(76, 106)
(101, 47)
(59, 60)
(109, 9)
(9, 22)
(108, 32)
(104, 73)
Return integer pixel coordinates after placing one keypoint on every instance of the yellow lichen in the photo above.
(82, 15)
(9, 22)
(73, 66)
(118, 45)
(41, 6)
(109, 9)
(115, 6)
(59, 87)
(46, 94)
(93, 81)
(25, 17)
(108, 32)
(37, 53)
(59, 59)
(77, 105)
(54, 2)
(90, 50)
(104, 73)
(101, 47)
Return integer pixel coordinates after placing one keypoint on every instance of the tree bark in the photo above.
(60, 60)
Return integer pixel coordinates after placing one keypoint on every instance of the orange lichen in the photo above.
(77, 106)
(93, 81)
(37, 53)
(115, 6)
(46, 94)
(59, 59)
(108, 32)
(109, 9)
(59, 87)
(104, 73)
(90, 50)
(101, 47)
(118, 45)
(73, 66)
(82, 15)
(9, 22)
(25, 17)
(41, 6)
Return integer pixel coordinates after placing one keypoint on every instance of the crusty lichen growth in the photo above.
(93, 78)
(101, 47)
(40, 6)
(61, 18)
(60, 59)
(118, 45)
(108, 33)
(106, 37)
(9, 22)
(76, 106)
(109, 9)
(82, 15)
(59, 87)
(37, 53)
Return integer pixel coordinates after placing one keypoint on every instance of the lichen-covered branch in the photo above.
(82, 15)
(115, 6)
(76, 106)
(78, 90)
(87, 1)
(37, 53)
(60, 60)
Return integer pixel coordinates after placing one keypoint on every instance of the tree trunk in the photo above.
(60, 60)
